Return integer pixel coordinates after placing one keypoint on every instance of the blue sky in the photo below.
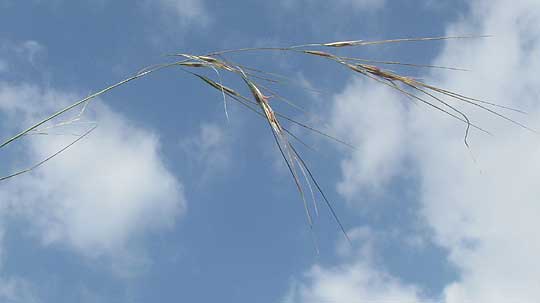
(168, 200)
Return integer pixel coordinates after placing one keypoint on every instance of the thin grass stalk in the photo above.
(260, 104)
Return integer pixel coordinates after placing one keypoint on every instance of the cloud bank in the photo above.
(483, 212)
(99, 196)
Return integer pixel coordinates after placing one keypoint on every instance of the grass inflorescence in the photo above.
(260, 101)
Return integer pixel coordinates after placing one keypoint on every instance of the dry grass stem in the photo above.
(416, 90)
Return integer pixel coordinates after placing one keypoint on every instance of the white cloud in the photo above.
(3, 66)
(30, 49)
(25, 51)
(190, 9)
(356, 280)
(209, 150)
(375, 124)
(208, 141)
(16, 291)
(364, 4)
(209, 146)
(485, 213)
(359, 5)
(184, 11)
(100, 195)
(487, 220)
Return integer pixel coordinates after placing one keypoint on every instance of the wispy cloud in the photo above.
(192, 11)
(16, 291)
(185, 12)
(3, 66)
(209, 149)
(358, 5)
(19, 51)
(364, 4)
(176, 15)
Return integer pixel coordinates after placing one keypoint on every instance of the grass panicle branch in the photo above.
(262, 105)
